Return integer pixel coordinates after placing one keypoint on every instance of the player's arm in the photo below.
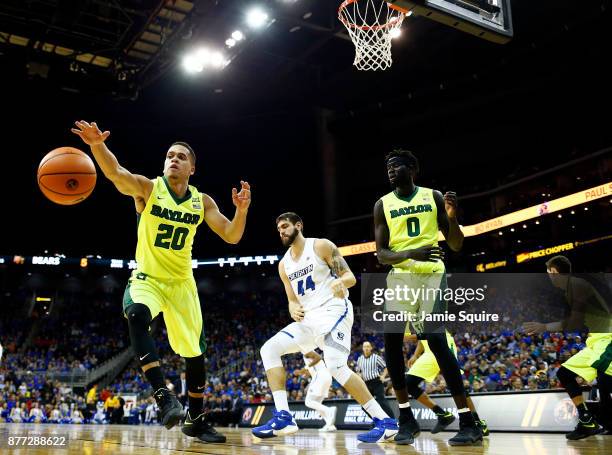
(295, 307)
(345, 279)
(531, 328)
(417, 353)
(388, 257)
(383, 375)
(580, 293)
(314, 358)
(447, 219)
(229, 231)
(127, 183)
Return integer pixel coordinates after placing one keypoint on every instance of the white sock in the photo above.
(373, 408)
(280, 400)
(404, 405)
(464, 410)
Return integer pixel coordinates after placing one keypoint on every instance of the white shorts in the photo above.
(327, 326)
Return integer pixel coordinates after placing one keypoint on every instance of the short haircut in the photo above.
(406, 156)
(188, 147)
(292, 217)
(561, 263)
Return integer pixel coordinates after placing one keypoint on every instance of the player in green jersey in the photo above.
(169, 212)
(406, 223)
(589, 308)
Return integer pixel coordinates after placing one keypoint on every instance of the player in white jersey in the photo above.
(1, 351)
(318, 389)
(316, 279)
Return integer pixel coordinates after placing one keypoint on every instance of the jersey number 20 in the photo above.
(168, 237)
(309, 285)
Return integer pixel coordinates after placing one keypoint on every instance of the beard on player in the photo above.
(288, 239)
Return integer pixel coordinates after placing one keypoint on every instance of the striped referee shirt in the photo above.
(370, 367)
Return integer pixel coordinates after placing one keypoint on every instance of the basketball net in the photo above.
(371, 24)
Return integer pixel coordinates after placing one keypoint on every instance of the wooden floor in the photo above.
(136, 440)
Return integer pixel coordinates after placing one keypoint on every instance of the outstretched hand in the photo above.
(90, 133)
(534, 328)
(242, 199)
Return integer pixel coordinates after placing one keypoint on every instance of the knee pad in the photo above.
(394, 357)
(412, 384)
(341, 374)
(336, 360)
(195, 373)
(138, 316)
(139, 319)
(273, 350)
(568, 381)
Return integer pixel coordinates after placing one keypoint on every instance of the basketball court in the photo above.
(141, 440)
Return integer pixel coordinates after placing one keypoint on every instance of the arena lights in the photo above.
(237, 35)
(495, 224)
(131, 264)
(395, 33)
(256, 18)
(197, 61)
(523, 257)
(46, 260)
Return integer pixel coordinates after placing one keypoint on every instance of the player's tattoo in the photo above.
(338, 263)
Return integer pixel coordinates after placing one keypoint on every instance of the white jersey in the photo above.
(310, 277)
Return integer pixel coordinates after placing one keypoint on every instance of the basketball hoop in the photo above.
(371, 24)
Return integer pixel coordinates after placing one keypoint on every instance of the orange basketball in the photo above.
(66, 176)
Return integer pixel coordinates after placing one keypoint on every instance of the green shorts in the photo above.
(179, 302)
(595, 357)
(426, 366)
(418, 293)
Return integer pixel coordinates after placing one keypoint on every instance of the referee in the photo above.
(373, 370)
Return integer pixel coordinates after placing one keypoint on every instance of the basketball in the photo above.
(66, 176)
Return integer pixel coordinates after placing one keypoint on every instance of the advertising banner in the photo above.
(545, 411)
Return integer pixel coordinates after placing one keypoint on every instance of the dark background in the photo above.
(309, 132)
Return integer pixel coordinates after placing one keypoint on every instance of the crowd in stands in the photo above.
(236, 325)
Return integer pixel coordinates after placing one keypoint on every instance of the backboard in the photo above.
(487, 19)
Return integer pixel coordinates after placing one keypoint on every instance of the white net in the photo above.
(372, 25)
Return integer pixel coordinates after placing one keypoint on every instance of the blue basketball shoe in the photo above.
(280, 425)
(384, 431)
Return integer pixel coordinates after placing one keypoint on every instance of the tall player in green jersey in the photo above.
(406, 222)
(169, 212)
